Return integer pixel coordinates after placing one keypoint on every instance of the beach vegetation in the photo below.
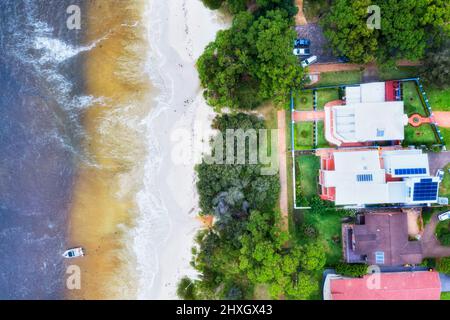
(421, 27)
(252, 62)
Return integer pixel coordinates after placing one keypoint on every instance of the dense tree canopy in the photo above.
(251, 62)
(436, 69)
(408, 29)
(233, 189)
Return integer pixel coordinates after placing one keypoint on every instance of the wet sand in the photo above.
(103, 208)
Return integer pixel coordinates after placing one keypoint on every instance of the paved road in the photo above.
(281, 117)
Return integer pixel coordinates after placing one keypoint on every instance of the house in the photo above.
(373, 177)
(380, 238)
(420, 285)
(369, 113)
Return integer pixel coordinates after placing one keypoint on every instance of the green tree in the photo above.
(436, 69)
(351, 270)
(313, 257)
(443, 265)
(345, 26)
(186, 289)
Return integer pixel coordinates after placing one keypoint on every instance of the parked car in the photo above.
(343, 59)
(309, 61)
(301, 51)
(440, 174)
(301, 42)
(444, 216)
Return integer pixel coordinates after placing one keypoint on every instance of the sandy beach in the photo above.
(177, 129)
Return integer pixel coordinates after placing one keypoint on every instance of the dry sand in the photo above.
(178, 128)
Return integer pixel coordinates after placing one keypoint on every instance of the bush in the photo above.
(351, 270)
(186, 289)
(443, 265)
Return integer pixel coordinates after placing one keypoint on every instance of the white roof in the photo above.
(359, 178)
(408, 159)
(375, 121)
(373, 92)
(353, 94)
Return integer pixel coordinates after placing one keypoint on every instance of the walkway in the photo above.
(442, 118)
(300, 19)
(416, 120)
(282, 151)
(300, 116)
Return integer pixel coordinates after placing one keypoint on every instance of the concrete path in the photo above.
(282, 152)
(442, 118)
(300, 116)
(300, 19)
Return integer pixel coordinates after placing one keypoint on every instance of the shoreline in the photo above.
(103, 207)
(179, 123)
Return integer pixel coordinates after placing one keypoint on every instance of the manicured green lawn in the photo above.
(321, 141)
(304, 138)
(446, 134)
(304, 100)
(413, 104)
(307, 170)
(439, 99)
(337, 78)
(326, 95)
(423, 135)
(398, 73)
(328, 225)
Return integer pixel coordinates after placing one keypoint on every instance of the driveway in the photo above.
(431, 247)
(438, 160)
(442, 118)
(282, 151)
(319, 44)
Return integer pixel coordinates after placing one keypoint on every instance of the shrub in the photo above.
(351, 270)
(443, 265)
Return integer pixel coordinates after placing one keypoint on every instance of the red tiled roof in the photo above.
(393, 286)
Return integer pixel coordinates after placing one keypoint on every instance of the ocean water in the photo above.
(41, 109)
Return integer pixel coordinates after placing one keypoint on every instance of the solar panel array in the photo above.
(410, 171)
(425, 190)
(379, 257)
(364, 177)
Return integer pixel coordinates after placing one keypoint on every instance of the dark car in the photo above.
(301, 42)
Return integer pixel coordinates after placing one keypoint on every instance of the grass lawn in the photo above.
(326, 95)
(445, 296)
(444, 187)
(398, 73)
(328, 226)
(321, 141)
(423, 135)
(439, 99)
(446, 134)
(337, 78)
(413, 104)
(304, 100)
(306, 174)
(304, 135)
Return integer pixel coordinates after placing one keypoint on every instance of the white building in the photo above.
(365, 117)
(378, 177)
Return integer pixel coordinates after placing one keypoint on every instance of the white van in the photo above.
(309, 61)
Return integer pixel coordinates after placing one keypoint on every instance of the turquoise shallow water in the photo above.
(41, 107)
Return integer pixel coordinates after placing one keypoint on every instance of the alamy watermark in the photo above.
(232, 147)
(73, 22)
(374, 20)
(73, 281)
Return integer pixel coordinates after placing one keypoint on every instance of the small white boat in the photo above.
(73, 253)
